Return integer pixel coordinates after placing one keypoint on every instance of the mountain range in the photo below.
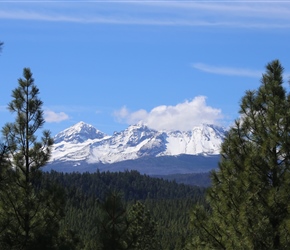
(83, 148)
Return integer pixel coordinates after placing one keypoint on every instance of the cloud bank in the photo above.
(51, 116)
(183, 116)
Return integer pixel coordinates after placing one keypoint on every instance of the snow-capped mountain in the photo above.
(78, 133)
(84, 144)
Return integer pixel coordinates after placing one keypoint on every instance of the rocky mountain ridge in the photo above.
(83, 142)
(82, 146)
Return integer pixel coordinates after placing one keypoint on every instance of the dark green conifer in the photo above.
(123, 228)
(113, 222)
(141, 234)
(30, 214)
(249, 199)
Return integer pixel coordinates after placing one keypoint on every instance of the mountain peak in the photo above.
(81, 126)
(79, 133)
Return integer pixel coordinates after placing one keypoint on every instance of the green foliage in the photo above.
(122, 227)
(113, 223)
(29, 215)
(249, 198)
(155, 209)
(141, 233)
(3, 163)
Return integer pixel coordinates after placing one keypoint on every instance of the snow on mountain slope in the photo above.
(122, 146)
(83, 143)
(204, 139)
(79, 133)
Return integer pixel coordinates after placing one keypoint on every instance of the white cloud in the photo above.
(163, 13)
(184, 116)
(51, 116)
(227, 70)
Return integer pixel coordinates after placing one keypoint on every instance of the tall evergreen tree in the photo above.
(249, 199)
(113, 222)
(30, 213)
(141, 233)
(123, 228)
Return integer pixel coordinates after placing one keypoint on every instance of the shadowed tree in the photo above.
(141, 234)
(126, 228)
(113, 222)
(249, 199)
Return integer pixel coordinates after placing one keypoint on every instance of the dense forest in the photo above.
(167, 202)
(194, 179)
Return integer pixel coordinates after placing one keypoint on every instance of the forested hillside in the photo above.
(194, 179)
(167, 203)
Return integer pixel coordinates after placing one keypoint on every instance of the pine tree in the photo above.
(31, 213)
(249, 201)
(123, 228)
(113, 222)
(141, 233)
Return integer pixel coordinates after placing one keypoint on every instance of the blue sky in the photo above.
(169, 64)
